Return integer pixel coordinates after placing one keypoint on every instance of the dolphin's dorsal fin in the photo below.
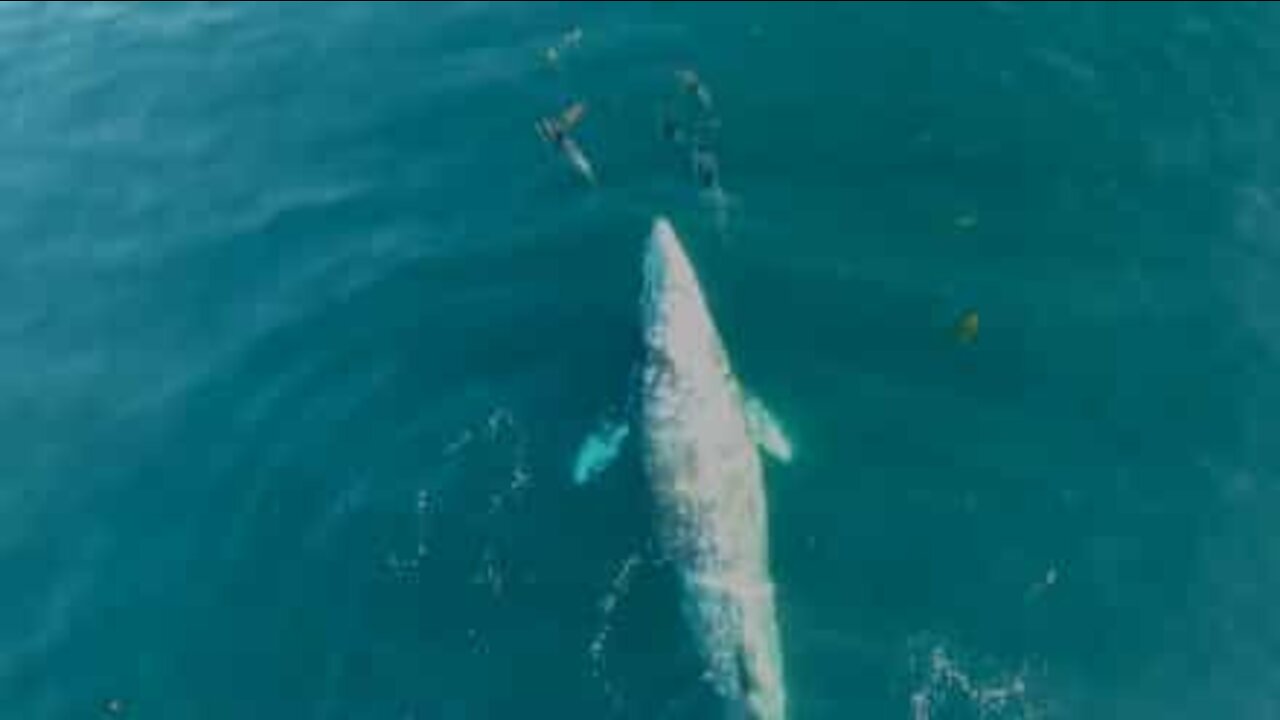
(599, 450)
(766, 431)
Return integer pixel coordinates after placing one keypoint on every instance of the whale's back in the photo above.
(708, 484)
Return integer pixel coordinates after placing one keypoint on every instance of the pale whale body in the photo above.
(698, 434)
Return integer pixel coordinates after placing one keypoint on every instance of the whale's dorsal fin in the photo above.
(766, 431)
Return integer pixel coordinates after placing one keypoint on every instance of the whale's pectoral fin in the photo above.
(599, 450)
(766, 431)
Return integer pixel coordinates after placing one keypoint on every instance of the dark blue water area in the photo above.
(303, 326)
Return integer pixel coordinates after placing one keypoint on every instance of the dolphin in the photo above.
(698, 435)
(555, 131)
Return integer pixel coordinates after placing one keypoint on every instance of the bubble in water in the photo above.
(947, 687)
(920, 705)
(403, 569)
(463, 440)
(490, 574)
(1042, 586)
(476, 642)
(619, 586)
(499, 420)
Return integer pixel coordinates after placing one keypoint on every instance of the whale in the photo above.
(699, 436)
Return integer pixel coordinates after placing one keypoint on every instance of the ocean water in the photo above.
(302, 326)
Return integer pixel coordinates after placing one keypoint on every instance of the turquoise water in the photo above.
(302, 326)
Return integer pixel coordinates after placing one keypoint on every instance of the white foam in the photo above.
(946, 687)
(619, 586)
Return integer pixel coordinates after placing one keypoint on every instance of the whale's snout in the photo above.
(675, 315)
(669, 275)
